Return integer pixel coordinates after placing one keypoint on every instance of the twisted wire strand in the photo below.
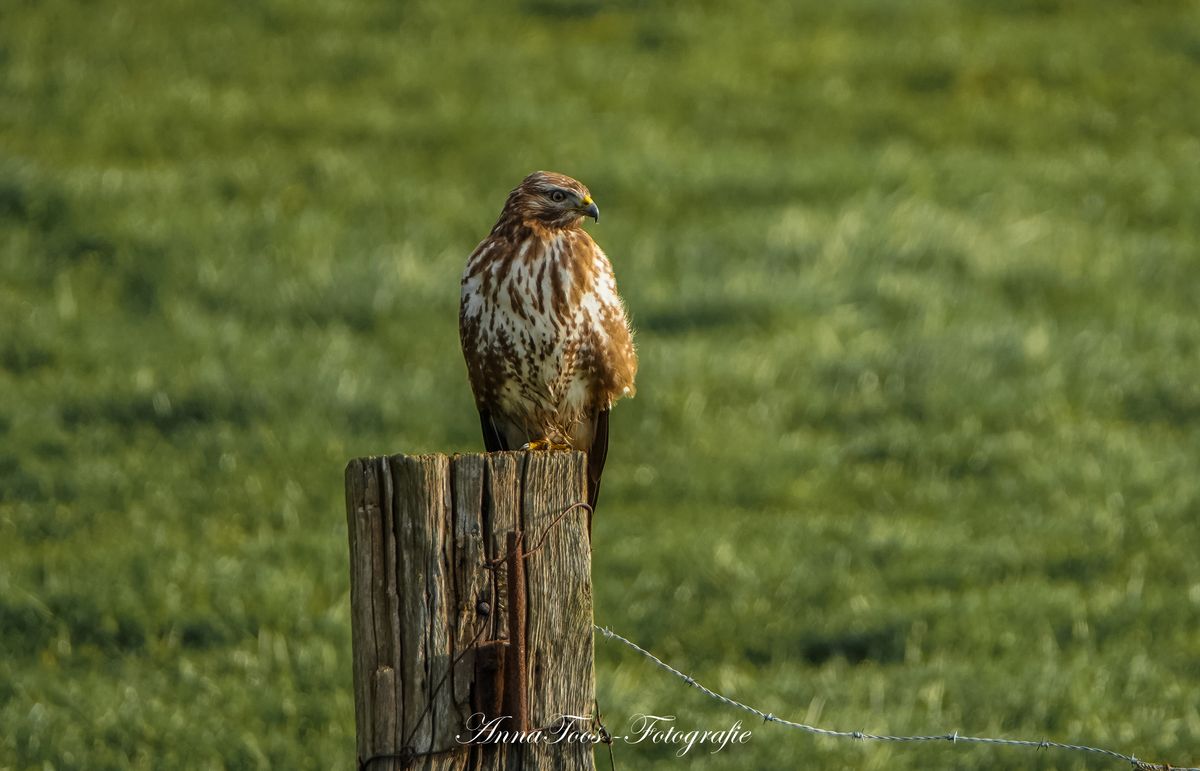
(953, 738)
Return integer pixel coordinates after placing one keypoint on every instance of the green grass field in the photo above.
(917, 437)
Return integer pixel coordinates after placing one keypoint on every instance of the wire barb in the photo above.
(954, 738)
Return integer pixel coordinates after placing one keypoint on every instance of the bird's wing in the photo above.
(597, 454)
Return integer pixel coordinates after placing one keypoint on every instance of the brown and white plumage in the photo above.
(544, 333)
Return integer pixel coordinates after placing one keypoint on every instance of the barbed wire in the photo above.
(953, 738)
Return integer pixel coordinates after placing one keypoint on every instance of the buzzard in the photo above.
(544, 333)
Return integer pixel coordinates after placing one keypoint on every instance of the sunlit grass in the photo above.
(915, 287)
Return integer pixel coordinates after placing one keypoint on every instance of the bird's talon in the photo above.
(545, 445)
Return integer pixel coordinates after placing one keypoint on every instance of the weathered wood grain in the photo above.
(471, 589)
(431, 569)
(373, 607)
(559, 618)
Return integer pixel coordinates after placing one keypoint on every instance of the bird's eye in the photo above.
(558, 196)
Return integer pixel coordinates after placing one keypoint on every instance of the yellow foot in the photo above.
(545, 445)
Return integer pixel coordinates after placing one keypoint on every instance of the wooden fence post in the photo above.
(439, 611)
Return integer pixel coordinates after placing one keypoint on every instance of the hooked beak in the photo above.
(590, 209)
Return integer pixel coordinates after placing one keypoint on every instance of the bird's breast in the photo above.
(534, 319)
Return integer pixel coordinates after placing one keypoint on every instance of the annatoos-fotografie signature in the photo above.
(643, 729)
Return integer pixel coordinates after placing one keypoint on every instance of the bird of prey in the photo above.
(543, 330)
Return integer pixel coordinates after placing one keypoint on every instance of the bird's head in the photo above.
(552, 200)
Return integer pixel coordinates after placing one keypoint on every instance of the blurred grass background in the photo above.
(915, 447)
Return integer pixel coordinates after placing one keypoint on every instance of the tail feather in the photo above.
(597, 454)
(493, 438)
